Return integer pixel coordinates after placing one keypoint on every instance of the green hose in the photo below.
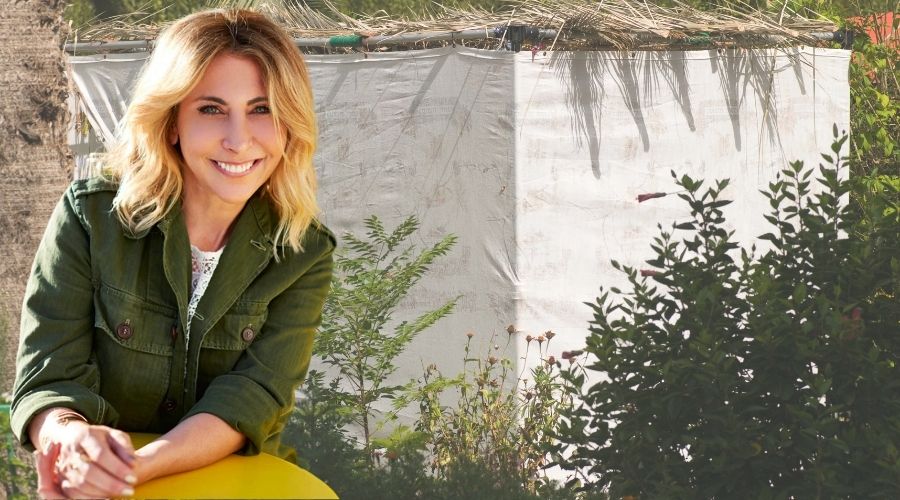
(701, 39)
(345, 40)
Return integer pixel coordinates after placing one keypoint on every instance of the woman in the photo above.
(180, 294)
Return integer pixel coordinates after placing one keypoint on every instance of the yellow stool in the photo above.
(261, 476)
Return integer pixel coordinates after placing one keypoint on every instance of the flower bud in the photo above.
(649, 196)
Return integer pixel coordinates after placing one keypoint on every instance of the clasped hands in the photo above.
(79, 460)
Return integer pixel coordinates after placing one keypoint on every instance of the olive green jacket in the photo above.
(103, 322)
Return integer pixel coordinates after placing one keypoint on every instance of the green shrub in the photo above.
(874, 105)
(732, 375)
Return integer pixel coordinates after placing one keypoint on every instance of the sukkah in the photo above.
(536, 161)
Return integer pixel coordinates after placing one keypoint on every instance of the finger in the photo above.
(100, 481)
(71, 470)
(82, 490)
(45, 466)
(120, 442)
(51, 492)
(82, 479)
(98, 451)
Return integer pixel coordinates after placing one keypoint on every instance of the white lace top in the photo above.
(202, 266)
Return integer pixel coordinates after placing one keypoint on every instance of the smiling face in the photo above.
(227, 136)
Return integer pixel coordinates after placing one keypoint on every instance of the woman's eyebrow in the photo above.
(221, 101)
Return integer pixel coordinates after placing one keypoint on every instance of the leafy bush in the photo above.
(875, 103)
(727, 374)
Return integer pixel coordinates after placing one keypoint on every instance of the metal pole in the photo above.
(419, 37)
(399, 39)
(404, 38)
(95, 47)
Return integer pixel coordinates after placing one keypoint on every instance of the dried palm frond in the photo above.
(582, 24)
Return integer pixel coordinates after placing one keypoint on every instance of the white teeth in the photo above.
(235, 168)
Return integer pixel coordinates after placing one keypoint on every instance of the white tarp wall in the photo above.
(595, 129)
(535, 164)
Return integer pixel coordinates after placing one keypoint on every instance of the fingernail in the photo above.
(130, 478)
(128, 492)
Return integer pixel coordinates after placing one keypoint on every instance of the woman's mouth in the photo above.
(236, 168)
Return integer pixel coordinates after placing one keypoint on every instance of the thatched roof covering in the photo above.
(575, 25)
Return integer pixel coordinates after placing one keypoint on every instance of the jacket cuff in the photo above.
(64, 394)
(246, 407)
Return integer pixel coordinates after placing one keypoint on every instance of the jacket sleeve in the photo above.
(54, 366)
(258, 394)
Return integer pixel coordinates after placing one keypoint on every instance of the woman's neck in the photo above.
(208, 227)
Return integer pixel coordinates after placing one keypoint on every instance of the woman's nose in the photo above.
(238, 136)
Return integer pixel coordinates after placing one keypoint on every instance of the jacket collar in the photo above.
(257, 204)
(248, 251)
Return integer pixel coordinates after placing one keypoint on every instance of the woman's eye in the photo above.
(262, 110)
(210, 110)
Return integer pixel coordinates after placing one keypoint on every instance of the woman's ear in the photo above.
(173, 136)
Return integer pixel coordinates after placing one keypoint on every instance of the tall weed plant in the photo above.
(360, 339)
(503, 422)
(358, 342)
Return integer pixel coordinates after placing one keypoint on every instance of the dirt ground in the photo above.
(34, 157)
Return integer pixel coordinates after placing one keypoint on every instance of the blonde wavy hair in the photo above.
(148, 167)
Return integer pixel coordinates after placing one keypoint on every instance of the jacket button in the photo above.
(247, 334)
(174, 332)
(169, 406)
(124, 331)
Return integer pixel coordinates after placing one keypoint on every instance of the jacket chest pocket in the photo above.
(133, 345)
(224, 344)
